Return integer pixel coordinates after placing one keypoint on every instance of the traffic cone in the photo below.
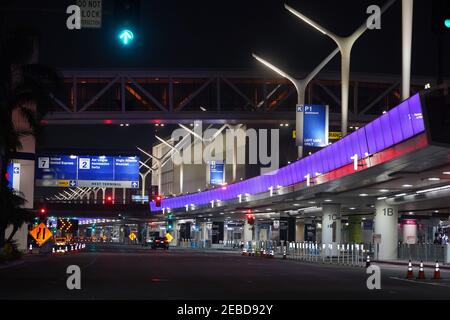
(284, 254)
(368, 261)
(421, 272)
(264, 253)
(65, 249)
(409, 274)
(30, 250)
(437, 272)
(244, 252)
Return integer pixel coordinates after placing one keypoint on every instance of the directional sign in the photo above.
(132, 236)
(87, 171)
(41, 234)
(169, 237)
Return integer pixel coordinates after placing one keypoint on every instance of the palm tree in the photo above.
(25, 88)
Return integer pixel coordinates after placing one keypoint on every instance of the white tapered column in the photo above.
(407, 28)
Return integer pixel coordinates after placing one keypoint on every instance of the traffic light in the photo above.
(440, 16)
(126, 18)
(158, 199)
(250, 217)
(42, 212)
(108, 200)
(169, 222)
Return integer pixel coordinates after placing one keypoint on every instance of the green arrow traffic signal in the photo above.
(126, 36)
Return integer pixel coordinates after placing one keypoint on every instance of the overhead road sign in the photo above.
(87, 171)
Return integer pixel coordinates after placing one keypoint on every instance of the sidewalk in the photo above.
(414, 263)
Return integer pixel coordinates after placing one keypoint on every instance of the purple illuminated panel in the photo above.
(395, 126)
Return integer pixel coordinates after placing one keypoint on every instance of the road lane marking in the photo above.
(430, 283)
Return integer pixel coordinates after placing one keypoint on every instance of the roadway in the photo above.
(123, 273)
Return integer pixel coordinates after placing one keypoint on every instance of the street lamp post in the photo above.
(407, 28)
(345, 45)
(300, 86)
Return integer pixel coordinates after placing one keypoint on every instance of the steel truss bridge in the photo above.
(127, 96)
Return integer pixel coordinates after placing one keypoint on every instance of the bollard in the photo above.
(437, 272)
(53, 250)
(368, 261)
(30, 250)
(284, 253)
(421, 275)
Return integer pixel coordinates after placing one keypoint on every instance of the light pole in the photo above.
(345, 45)
(407, 28)
(300, 85)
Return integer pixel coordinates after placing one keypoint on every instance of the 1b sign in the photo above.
(315, 128)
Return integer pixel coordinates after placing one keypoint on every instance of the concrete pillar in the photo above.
(248, 232)
(174, 234)
(409, 231)
(386, 232)
(300, 230)
(331, 223)
(355, 229)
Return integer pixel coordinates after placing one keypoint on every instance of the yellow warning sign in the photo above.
(334, 135)
(41, 234)
(132, 236)
(63, 183)
(169, 237)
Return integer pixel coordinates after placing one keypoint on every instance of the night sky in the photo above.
(215, 34)
(197, 34)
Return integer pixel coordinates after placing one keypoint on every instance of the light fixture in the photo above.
(434, 179)
(434, 189)
(407, 185)
(363, 194)
(328, 200)
(381, 198)
(446, 172)
(400, 195)
(436, 211)
(384, 190)
(312, 202)
(352, 208)
(297, 204)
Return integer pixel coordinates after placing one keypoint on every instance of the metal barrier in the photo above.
(426, 252)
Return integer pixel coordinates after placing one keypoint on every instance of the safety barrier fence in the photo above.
(351, 254)
(426, 252)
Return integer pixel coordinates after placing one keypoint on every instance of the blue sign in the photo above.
(88, 171)
(315, 127)
(216, 173)
(10, 174)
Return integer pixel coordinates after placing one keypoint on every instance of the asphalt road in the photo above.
(124, 273)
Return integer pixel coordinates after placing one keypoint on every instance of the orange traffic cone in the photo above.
(437, 272)
(409, 274)
(421, 272)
